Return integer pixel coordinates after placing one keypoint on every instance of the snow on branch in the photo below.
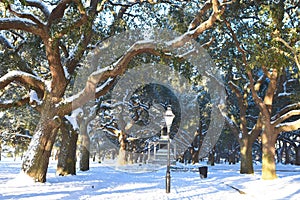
(10, 103)
(289, 126)
(120, 66)
(285, 110)
(39, 4)
(286, 116)
(20, 24)
(25, 16)
(22, 78)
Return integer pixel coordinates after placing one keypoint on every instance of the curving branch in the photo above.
(26, 16)
(285, 110)
(294, 51)
(24, 79)
(286, 116)
(289, 126)
(58, 12)
(21, 24)
(108, 73)
(192, 34)
(82, 44)
(77, 24)
(197, 20)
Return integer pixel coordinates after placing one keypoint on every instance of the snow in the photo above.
(105, 181)
(34, 97)
(67, 75)
(72, 118)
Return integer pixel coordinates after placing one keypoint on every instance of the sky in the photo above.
(107, 181)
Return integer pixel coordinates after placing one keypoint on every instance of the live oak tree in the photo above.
(64, 41)
(271, 56)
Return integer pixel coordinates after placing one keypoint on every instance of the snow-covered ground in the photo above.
(104, 181)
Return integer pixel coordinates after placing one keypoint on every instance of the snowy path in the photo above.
(104, 182)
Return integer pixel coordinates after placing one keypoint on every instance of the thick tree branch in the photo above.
(261, 105)
(23, 78)
(58, 12)
(289, 126)
(196, 21)
(81, 98)
(74, 59)
(242, 106)
(286, 116)
(83, 19)
(20, 24)
(285, 110)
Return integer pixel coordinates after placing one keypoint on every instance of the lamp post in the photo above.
(169, 116)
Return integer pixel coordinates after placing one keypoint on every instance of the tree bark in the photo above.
(297, 149)
(67, 156)
(36, 160)
(246, 166)
(84, 163)
(268, 153)
(122, 158)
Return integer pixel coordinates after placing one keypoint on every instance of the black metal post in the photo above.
(168, 174)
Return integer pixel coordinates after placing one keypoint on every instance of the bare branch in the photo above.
(209, 43)
(290, 48)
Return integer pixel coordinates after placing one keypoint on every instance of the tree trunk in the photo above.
(287, 153)
(36, 160)
(84, 163)
(246, 166)
(122, 160)
(297, 149)
(211, 157)
(67, 156)
(268, 153)
(195, 156)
